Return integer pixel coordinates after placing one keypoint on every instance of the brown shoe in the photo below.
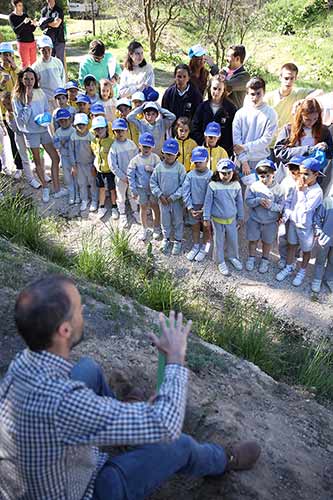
(243, 456)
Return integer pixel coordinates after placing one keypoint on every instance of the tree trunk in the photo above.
(152, 46)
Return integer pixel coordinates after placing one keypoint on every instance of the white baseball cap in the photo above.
(81, 119)
(138, 96)
(123, 101)
(44, 41)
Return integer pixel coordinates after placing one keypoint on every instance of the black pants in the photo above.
(15, 153)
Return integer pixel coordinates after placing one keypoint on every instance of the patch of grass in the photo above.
(316, 372)
(160, 293)
(92, 261)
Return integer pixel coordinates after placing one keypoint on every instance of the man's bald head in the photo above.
(41, 308)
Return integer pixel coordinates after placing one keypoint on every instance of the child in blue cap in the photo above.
(121, 153)
(139, 171)
(61, 99)
(300, 208)
(61, 141)
(223, 208)
(166, 185)
(194, 193)
(212, 135)
(324, 254)
(265, 201)
(72, 88)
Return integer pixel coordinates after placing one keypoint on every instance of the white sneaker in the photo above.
(284, 273)
(165, 247)
(193, 253)
(143, 234)
(200, 256)
(62, 192)
(46, 195)
(330, 285)
(177, 248)
(237, 264)
(6, 171)
(263, 266)
(93, 206)
(35, 183)
(299, 278)
(315, 286)
(223, 268)
(83, 206)
(123, 221)
(18, 175)
(101, 212)
(71, 200)
(137, 218)
(47, 178)
(115, 213)
(282, 263)
(250, 263)
(157, 233)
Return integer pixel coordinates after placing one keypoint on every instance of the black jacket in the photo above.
(184, 105)
(47, 16)
(224, 116)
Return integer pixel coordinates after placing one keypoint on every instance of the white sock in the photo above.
(207, 247)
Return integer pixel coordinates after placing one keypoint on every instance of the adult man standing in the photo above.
(52, 24)
(99, 63)
(236, 75)
(54, 415)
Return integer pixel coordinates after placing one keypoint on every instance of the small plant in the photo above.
(160, 293)
(317, 370)
(120, 246)
(92, 261)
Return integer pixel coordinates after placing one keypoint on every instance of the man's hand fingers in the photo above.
(187, 328)
(179, 322)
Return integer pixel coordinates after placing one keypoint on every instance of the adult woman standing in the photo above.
(30, 102)
(138, 74)
(217, 108)
(198, 71)
(23, 28)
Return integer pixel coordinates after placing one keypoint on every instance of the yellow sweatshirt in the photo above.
(101, 148)
(214, 155)
(185, 151)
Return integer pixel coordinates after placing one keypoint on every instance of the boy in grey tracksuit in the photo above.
(61, 141)
(82, 161)
(166, 184)
(265, 201)
(323, 221)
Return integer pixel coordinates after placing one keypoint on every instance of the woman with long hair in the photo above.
(29, 104)
(137, 74)
(218, 108)
(305, 135)
(23, 27)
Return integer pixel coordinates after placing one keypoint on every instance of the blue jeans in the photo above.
(137, 473)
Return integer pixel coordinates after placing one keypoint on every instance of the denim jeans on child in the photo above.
(137, 473)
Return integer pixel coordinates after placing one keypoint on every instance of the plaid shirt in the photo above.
(51, 427)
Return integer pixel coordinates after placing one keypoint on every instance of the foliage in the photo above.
(317, 370)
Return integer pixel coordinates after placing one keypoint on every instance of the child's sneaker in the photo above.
(193, 252)
(284, 273)
(282, 263)
(46, 195)
(236, 263)
(263, 266)
(93, 206)
(157, 233)
(165, 247)
(47, 178)
(330, 285)
(201, 255)
(101, 212)
(18, 175)
(177, 248)
(250, 263)
(143, 234)
(315, 286)
(115, 213)
(77, 200)
(62, 192)
(71, 200)
(123, 221)
(84, 205)
(223, 268)
(35, 183)
(299, 278)
(137, 218)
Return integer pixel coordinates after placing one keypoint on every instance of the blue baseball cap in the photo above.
(266, 163)
(83, 98)
(312, 164)
(6, 47)
(296, 160)
(213, 129)
(72, 84)
(225, 164)
(199, 154)
(99, 122)
(196, 51)
(170, 146)
(43, 119)
(150, 94)
(81, 119)
(97, 108)
(119, 124)
(147, 139)
(60, 91)
(62, 114)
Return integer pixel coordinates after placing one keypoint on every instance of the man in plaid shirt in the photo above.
(55, 415)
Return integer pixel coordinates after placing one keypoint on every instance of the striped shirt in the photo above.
(51, 427)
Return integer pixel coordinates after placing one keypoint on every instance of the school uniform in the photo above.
(286, 186)
(185, 151)
(167, 180)
(182, 103)
(139, 171)
(61, 141)
(224, 207)
(82, 157)
(55, 123)
(194, 191)
(323, 220)
(262, 222)
(119, 157)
